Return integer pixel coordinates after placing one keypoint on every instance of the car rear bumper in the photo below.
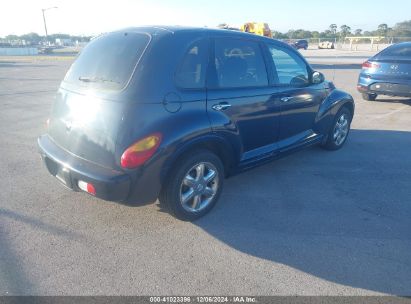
(109, 184)
(381, 87)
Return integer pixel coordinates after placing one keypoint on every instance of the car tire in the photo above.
(339, 130)
(191, 190)
(369, 97)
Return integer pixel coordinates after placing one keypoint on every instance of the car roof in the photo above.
(407, 43)
(159, 29)
(400, 44)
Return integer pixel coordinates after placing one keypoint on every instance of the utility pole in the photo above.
(44, 20)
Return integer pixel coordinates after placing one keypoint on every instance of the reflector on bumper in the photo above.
(87, 187)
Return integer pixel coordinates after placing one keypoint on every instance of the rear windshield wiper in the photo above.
(95, 79)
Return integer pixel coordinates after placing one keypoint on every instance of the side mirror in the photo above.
(317, 78)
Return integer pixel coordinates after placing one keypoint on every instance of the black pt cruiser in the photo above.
(169, 112)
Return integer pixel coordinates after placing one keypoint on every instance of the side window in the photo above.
(239, 63)
(396, 51)
(290, 69)
(191, 73)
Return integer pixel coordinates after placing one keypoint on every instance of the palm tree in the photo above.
(382, 29)
(358, 32)
(333, 28)
(344, 30)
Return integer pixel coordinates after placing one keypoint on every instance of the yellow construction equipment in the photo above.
(261, 29)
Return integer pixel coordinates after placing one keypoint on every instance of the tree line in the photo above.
(401, 29)
(34, 38)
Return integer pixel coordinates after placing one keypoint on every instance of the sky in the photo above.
(90, 17)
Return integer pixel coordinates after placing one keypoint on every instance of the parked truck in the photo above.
(261, 29)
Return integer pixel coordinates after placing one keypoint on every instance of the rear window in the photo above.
(108, 62)
(396, 52)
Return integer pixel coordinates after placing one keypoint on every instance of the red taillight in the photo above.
(87, 187)
(370, 65)
(91, 189)
(139, 152)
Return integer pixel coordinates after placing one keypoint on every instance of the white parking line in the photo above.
(392, 112)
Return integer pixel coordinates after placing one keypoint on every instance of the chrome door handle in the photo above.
(286, 99)
(221, 106)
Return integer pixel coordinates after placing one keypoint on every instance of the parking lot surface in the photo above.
(314, 223)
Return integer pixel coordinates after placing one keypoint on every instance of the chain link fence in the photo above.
(352, 43)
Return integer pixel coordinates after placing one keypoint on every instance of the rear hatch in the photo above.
(392, 69)
(90, 104)
(393, 63)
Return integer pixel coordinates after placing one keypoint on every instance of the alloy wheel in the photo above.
(341, 129)
(199, 187)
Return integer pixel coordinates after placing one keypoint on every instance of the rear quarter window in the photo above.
(396, 52)
(109, 61)
(191, 73)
